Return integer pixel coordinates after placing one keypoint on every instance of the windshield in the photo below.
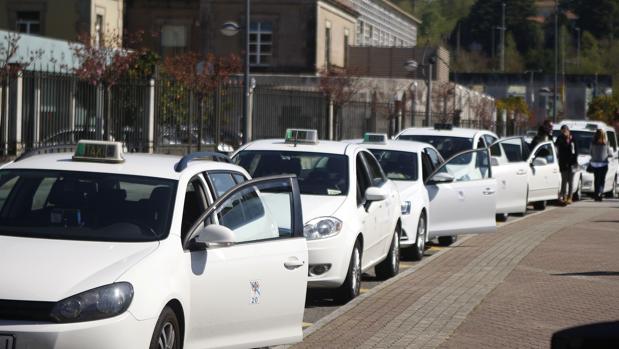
(85, 206)
(583, 140)
(446, 145)
(397, 165)
(318, 174)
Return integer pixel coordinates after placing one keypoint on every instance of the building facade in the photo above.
(382, 23)
(62, 19)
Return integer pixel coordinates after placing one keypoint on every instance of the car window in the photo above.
(510, 150)
(317, 173)
(377, 177)
(397, 165)
(90, 206)
(221, 182)
(250, 212)
(469, 166)
(238, 178)
(489, 139)
(480, 143)
(612, 140)
(583, 140)
(426, 164)
(363, 181)
(446, 145)
(194, 204)
(545, 152)
(435, 158)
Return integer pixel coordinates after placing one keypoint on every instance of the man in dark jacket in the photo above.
(568, 160)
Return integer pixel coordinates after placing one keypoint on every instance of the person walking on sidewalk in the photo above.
(568, 159)
(599, 162)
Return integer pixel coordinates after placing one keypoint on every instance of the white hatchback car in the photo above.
(105, 250)
(411, 165)
(350, 209)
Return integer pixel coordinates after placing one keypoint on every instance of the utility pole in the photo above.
(502, 28)
(556, 78)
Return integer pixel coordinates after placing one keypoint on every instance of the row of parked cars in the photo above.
(102, 249)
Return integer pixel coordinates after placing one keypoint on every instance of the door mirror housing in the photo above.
(539, 162)
(375, 194)
(441, 177)
(213, 236)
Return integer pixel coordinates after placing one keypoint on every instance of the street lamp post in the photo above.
(231, 29)
(411, 66)
(556, 83)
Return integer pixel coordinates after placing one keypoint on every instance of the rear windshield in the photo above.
(397, 165)
(85, 206)
(317, 173)
(446, 145)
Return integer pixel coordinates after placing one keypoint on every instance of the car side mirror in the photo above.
(214, 236)
(375, 194)
(441, 177)
(539, 162)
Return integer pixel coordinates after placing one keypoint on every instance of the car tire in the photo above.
(447, 240)
(578, 194)
(416, 251)
(352, 284)
(613, 192)
(167, 334)
(502, 217)
(390, 267)
(539, 205)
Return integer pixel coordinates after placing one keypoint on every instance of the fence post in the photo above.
(36, 115)
(99, 111)
(330, 116)
(151, 116)
(72, 108)
(5, 114)
(250, 115)
(18, 111)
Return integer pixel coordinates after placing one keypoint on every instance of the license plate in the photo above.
(6, 342)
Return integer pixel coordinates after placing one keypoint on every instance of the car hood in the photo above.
(51, 270)
(320, 205)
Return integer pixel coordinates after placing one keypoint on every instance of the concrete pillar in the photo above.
(250, 115)
(19, 94)
(72, 109)
(36, 115)
(5, 117)
(330, 120)
(150, 127)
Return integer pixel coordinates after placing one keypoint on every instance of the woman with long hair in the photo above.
(568, 159)
(600, 152)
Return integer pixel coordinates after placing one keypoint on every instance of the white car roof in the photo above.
(455, 132)
(327, 147)
(581, 125)
(397, 145)
(148, 165)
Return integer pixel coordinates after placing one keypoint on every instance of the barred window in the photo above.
(261, 43)
(28, 22)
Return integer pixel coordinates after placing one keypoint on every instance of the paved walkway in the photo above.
(509, 289)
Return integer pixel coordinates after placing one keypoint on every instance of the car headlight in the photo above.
(99, 303)
(323, 227)
(406, 207)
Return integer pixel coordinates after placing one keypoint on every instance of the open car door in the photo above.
(544, 175)
(462, 195)
(511, 170)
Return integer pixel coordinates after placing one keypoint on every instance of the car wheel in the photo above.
(613, 193)
(390, 267)
(352, 284)
(501, 217)
(415, 252)
(447, 240)
(578, 194)
(167, 333)
(539, 205)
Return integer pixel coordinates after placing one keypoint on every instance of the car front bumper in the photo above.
(335, 252)
(122, 331)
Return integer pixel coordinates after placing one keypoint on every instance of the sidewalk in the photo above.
(509, 289)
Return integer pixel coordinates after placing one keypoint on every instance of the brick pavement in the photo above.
(424, 308)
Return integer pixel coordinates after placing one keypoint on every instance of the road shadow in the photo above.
(602, 335)
(590, 273)
(605, 221)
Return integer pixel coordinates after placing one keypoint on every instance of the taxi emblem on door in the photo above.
(255, 292)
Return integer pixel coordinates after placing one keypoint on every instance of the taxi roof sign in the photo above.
(300, 135)
(99, 151)
(370, 137)
(443, 126)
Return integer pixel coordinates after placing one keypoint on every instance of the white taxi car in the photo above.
(511, 186)
(101, 249)
(350, 209)
(583, 132)
(410, 165)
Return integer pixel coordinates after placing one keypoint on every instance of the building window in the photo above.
(28, 22)
(99, 31)
(261, 43)
(173, 39)
(327, 47)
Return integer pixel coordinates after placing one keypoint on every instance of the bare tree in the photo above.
(443, 98)
(10, 62)
(341, 86)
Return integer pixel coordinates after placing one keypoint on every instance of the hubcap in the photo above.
(421, 235)
(395, 255)
(356, 271)
(167, 336)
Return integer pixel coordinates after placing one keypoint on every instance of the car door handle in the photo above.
(555, 171)
(488, 191)
(293, 263)
(521, 172)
